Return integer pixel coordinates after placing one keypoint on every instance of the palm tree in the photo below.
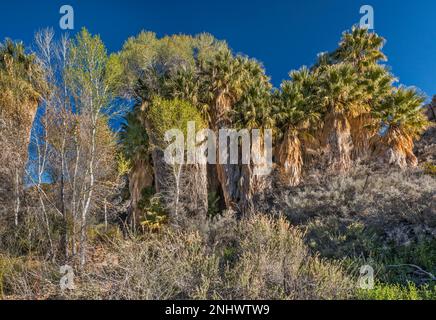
(340, 95)
(361, 48)
(135, 144)
(294, 114)
(22, 83)
(223, 83)
(253, 111)
(21, 87)
(376, 84)
(402, 120)
(183, 85)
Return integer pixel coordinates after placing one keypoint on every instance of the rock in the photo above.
(425, 147)
(431, 110)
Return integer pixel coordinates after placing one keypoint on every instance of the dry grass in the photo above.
(377, 197)
(256, 258)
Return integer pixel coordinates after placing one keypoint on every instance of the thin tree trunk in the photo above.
(64, 241)
(88, 197)
(74, 198)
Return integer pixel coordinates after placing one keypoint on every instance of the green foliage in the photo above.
(124, 165)
(340, 90)
(21, 67)
(429, 168)
(114, 74)
(102, 233)
(338, 239)
(421, 253)
(357, 243)
(133, 136)
(91, 74)
(253, 110)
(294, 107)
(402, 110)
(22, 83)
(164, 115)
(398, 292)
(159, 63)
(213, 204)
(154, 215)
(361, 48)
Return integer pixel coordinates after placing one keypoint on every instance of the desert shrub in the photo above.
(30, 236)
(260, 257)
(356, 245)
(380, 196)
(26, 278)
(256, 257)
(337, 238)
(274, 263)
(382, 218)
(169, 265)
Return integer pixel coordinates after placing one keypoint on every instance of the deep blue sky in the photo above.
(282, 34)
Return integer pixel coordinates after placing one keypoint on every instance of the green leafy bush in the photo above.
(398, 292)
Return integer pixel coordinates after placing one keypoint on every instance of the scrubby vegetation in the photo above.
(349, 187)
(255, 258)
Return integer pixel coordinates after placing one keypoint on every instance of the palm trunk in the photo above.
(336, 137)
(290, 159)
(195, 185)
(361, 136)
(140, 177)
(228, 174)
(394, 149)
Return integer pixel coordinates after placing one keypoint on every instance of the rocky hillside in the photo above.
(425, 148)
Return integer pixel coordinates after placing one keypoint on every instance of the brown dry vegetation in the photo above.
(256, 258)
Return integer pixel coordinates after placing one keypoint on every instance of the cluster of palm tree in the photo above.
(347, 108)
(344, 108)
(228, 91)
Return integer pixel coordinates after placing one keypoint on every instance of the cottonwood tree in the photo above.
(91, 82)
(75, 147)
